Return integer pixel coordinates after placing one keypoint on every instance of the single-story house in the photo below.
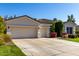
(27, 27)
(77, 27)
(70, 27)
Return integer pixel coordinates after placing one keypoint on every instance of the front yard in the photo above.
(73, 39)
(10, 50)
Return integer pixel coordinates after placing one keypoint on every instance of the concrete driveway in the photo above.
(47, 47)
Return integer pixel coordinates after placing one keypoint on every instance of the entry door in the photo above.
(69, 30)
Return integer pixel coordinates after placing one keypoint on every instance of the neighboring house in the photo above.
(70, 27)
(27, 27)
(77, 27)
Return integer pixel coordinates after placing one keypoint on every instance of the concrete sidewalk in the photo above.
(47, 47)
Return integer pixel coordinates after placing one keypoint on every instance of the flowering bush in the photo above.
(53, 34)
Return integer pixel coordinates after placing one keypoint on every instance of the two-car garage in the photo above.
(23, 32)
(25, 27)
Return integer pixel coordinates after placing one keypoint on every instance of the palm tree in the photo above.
(71, 18)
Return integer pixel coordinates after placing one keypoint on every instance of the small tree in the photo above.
(52, 28)
(59, 28)
(55, 20)
(2, 26)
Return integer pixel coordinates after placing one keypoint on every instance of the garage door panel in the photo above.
(44, 31)
(24, 32)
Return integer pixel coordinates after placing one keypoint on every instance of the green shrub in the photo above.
(72, 36)
(77, 35)
(77, 32)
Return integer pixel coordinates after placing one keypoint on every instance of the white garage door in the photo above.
(24, 32)
(44, 33)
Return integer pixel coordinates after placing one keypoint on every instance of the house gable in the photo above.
(69, 24)
(22, 21)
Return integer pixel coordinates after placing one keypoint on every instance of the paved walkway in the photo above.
(47, 47)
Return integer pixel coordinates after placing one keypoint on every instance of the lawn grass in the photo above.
(10, 50)
(73, 39)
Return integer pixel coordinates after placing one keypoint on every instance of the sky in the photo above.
(41, 10)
